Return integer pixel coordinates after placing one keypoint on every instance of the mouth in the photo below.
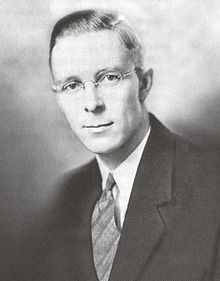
(98, 125)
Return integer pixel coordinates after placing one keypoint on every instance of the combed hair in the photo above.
(96, 20)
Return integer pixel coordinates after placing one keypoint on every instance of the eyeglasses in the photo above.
(103, 81)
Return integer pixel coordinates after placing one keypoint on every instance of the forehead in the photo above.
(88, 53)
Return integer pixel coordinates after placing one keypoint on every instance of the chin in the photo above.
(101, 147)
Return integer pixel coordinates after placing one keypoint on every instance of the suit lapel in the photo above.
(74, 235)
(144, 224)
(93, 190)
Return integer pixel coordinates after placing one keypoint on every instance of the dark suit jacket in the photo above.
(171, 229)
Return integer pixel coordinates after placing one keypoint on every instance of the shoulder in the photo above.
(194, 167)
(75, 184)
(196, 176)
(184, 149)
(201, 165)
(203, 159)
(78, 175)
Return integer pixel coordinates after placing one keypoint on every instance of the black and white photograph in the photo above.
(110, 140)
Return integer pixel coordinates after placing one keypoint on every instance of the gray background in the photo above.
(182, 39)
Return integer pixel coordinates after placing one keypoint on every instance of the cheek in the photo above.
(125, 96)
(129, 106)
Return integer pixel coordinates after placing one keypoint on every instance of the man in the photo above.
(147, 207)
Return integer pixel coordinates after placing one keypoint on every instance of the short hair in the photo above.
(96, 20)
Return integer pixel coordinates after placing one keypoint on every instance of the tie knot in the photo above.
(107, 193)
(110, 182)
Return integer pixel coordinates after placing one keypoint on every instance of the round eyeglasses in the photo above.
(103, 81)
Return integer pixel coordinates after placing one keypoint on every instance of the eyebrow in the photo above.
(105, 70)
(69, 79)
(97, 74)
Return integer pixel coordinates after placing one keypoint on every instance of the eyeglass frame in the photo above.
(59, 88)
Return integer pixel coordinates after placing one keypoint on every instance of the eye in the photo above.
(72, 86)
(110, 77)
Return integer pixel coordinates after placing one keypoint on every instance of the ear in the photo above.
(146, 81)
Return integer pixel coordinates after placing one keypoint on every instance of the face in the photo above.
(106, 121)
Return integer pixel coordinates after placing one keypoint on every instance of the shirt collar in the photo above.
(125, 173)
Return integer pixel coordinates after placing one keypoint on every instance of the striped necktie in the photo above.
(105, 232)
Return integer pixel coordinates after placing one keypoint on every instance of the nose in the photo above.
(93, 102)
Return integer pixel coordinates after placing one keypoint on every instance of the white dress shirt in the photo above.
(124, 175)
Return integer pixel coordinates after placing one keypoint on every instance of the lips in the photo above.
(98, 125)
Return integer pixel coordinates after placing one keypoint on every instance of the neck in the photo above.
(113, 159)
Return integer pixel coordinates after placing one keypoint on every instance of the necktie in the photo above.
(105, 233)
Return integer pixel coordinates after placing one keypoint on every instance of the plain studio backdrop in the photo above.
(182, 41)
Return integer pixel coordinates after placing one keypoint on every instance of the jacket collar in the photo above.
(145, 222)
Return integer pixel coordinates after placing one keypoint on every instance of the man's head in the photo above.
(96, 65)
